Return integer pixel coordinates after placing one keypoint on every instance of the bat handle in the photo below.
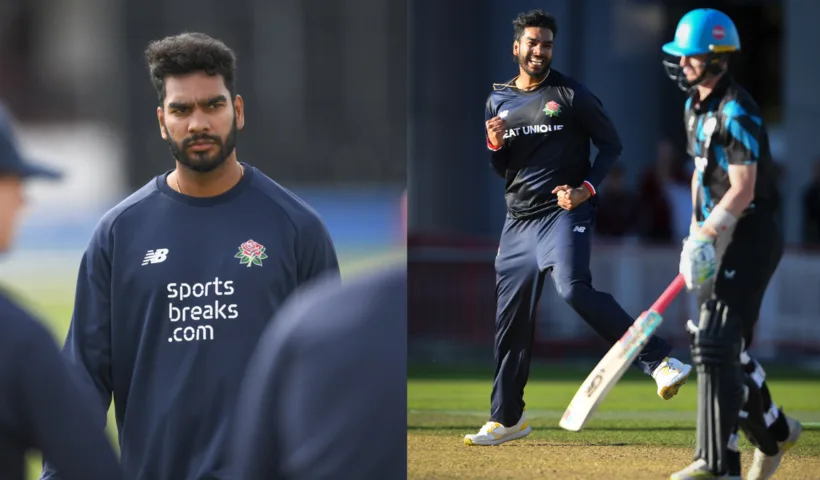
(668, 295)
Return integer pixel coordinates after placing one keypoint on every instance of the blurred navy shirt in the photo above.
(42, 407)
(325, 396)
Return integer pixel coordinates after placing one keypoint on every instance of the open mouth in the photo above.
(536, 62)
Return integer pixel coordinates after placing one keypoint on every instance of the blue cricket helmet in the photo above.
(703, 31)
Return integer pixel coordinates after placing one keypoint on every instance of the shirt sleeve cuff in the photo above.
(590, 187)
(492, 147)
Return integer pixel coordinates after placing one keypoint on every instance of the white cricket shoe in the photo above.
(764, 466)
(493, 433)
(698, 470)
(670, 375)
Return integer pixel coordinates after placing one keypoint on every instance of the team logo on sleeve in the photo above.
(251, 253)
(552, 108)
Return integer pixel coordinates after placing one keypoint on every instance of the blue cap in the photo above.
(12, 161)
(701, 31)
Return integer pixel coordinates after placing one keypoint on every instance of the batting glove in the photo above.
(698, 261)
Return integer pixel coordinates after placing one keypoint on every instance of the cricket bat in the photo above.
(612, 367)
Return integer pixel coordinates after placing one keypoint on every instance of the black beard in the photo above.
(203, 162)
(522, 62)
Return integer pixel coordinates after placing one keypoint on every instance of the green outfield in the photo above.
(49, 294)
(634, 434)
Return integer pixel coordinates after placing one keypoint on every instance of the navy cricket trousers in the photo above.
(558, 243)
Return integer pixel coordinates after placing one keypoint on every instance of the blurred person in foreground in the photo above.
(733, 248)
(181, 278)
(333, 356)
(42, 406)
(539, 126)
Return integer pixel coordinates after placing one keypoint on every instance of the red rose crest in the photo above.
(251, 253)
(552, 108)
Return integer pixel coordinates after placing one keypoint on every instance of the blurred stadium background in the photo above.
(324, 90)
(456, 202)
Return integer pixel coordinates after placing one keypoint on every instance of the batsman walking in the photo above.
(733, 248)
(539, 126)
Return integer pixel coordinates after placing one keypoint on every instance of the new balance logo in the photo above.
(579, 229)
(155, 256)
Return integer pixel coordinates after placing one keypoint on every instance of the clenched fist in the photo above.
(569, 198)
(496, 127)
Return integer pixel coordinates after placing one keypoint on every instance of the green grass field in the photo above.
(634, 434)
(49, 294)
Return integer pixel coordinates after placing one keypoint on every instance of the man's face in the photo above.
(534, 51)
(11, 202)
(198, 120)
(693, 67)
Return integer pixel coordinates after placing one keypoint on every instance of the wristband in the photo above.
(720, 219)
(589, 187)
(493, 147)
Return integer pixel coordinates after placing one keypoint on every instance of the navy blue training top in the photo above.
(173, 294)
(547, 141)
(43, 406)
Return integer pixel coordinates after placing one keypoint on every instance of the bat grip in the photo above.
(668, 295)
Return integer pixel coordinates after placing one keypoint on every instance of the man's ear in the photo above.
(239, 111)
(161, 120)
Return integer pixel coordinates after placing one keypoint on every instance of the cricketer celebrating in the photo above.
(180, 279)
(42, 407)
(539, 126)
(733, 248)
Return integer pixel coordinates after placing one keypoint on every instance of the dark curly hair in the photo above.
(534, 18)
(187, 53)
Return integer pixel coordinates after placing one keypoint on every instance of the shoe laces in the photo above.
(489, 427)
(670, 366)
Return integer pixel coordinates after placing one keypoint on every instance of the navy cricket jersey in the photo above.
(726, 128)
(172, 296)
(325, 396)
(547, 141)
(43, 407)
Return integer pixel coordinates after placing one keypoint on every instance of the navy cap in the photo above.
(12, 161)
